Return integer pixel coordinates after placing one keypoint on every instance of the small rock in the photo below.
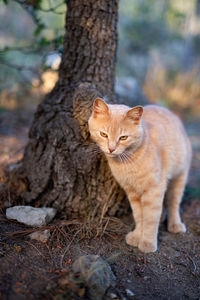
(146, 277)
(41, 236)
(96, 275)
(113, 296)
(31, 216)
(129, 293)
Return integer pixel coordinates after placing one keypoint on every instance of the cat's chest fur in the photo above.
(132, 176)
(125, 174)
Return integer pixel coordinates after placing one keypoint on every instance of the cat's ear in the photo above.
(135, 114)
(100, 107)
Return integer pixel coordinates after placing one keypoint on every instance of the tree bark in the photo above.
(60, 165)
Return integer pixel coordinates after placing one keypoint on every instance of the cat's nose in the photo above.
(111, 149)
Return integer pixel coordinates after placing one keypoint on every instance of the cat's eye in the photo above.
(123, 137)
(103, 134)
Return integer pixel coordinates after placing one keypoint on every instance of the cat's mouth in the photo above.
(112, 155)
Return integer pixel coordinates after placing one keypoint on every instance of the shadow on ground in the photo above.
(32, 270)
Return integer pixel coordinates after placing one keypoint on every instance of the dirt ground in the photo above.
(35, 270)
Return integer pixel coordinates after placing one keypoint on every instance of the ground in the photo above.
(37, 270)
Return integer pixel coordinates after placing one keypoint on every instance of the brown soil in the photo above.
(35, 270)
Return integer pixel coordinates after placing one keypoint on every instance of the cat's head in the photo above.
(116, 128)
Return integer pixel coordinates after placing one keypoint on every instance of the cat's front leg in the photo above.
(152, 202)
(133, 237)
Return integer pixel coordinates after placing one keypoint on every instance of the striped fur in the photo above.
(151, 163)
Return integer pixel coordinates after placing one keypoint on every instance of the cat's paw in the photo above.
(177, 227)
(147, 246)
(133, 238)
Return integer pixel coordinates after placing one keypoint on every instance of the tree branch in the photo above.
(53, 9)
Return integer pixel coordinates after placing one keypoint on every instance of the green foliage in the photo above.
(149, 25)
(152, 35)
(39, 28)
(145, 24)
(33, 29)
(175, 20)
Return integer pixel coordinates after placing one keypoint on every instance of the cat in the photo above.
(149, 155)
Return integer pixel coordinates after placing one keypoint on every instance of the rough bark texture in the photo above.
(60, 166)
(90, 44)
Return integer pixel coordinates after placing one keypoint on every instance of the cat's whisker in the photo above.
(95, 152)
(124, 161)
(120, 158)
(96, 149)
(129, 161)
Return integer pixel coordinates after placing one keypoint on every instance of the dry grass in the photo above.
(180, 92)
(108, 226)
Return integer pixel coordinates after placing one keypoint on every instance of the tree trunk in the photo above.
(61, 166)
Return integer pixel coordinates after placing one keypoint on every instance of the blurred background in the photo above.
(31, 39)
(158, 50)
(159, 43)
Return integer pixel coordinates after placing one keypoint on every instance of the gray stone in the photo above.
(31, 216)
(113, 296)
(41, 236)
(129, 293)
(95, 274)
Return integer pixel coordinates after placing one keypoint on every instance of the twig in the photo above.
(190, 258)
(24, 49)
(31, 9)
(66, 250)
(28, 231)
(194, 265)
(36, 249)
(31, 270)
(18, 67)
(52, 9)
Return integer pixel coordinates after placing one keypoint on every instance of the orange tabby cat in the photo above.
(149, 154)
